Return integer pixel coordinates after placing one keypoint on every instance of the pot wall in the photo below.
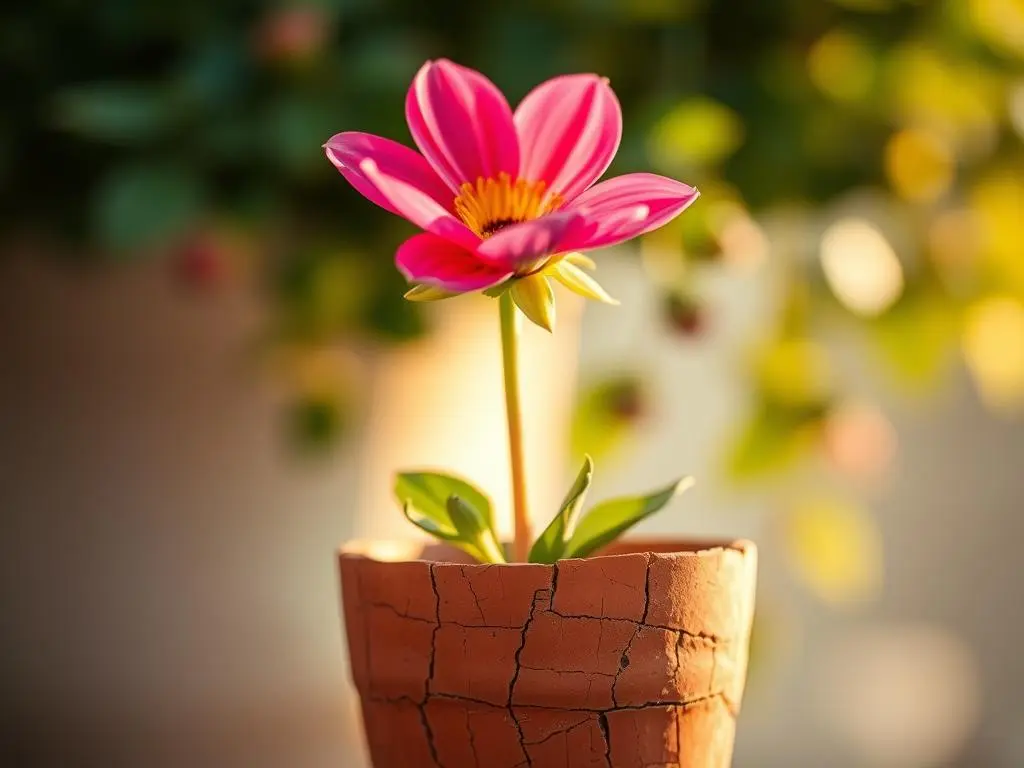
(632, 659)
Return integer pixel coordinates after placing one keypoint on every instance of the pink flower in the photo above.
(506, 198)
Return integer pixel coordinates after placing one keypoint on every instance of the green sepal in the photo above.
(533, 295)
(424, 292)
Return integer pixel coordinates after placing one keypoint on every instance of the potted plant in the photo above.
(574, 648)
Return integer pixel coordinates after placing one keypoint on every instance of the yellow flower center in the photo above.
(491, 205)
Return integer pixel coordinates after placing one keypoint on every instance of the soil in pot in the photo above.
(631, 659)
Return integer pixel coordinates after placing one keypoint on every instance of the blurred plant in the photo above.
(885, 132)
(873, 149)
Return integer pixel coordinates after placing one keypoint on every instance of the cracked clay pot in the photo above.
(631, 659)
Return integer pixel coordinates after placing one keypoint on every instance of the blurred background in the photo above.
(208, 374)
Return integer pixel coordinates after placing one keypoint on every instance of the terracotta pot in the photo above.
(635, 658)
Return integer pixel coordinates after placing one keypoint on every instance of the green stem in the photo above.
(513, 408)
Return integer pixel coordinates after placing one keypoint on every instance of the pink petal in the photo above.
(462, 123)
(430, 259)
(417, 206)
(520, 245)
(569, 130)
(627, 206)
(347, 150)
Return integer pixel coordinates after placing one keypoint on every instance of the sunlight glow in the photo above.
(861, 266)
(993, 344)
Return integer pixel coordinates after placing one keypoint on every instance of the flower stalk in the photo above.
(510, 327)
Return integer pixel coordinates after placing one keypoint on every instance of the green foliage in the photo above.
(452, 510)
(114, 112)
(606, 414)
(772, 440)
(610, 519)
(917, 338)
(428, 492)
(550, 545)
(144, 205)
(315, 422)
(126, 125)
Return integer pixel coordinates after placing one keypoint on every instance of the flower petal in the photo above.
(417, 206)
(519, 246)
(462, 123)
(433, 260)
(347, 150)
(533, 295)
(578, 281)
(569, 130)
(627, 206)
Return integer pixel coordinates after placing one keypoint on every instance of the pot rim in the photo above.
(411, 550)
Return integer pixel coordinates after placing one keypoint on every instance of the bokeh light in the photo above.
(993, 344)
(835, 547)
(902, 695)
(1016, 108)
(1001, 23)
(698, 131)
(998, 202)
(860, 266)
(842, 66)
(919, 164)
(859, 440)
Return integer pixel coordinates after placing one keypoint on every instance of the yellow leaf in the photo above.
(578, 259)
(533, 295)
(835, 548)
(426, 292)
(578, 281)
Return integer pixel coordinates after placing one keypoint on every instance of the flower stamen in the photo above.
(490, 205)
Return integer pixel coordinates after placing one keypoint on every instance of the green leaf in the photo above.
(610, 519)
(428, 493)
(464, 526)
(550, 545)
(475, 535)
(533, 295)
(143, 205)
(431, 526)
(115, 112)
